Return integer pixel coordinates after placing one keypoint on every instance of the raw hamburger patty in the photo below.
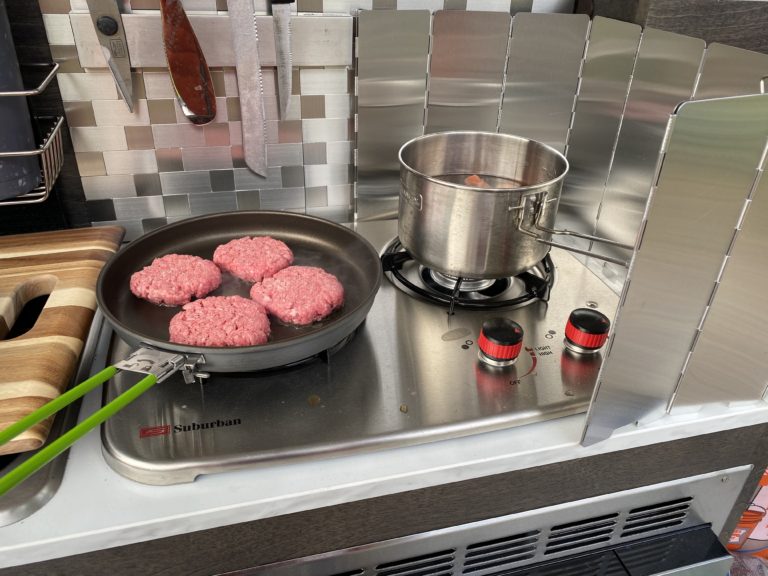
(220, 321)
(175, 279)
(253, 258)
(299, 294)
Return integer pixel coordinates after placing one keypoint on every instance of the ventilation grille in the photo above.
(494, 556)
(436, 564)
(545, 544)
(660, 516)
(582, 534)
(650, 558)
(605, 565)
(500, 552)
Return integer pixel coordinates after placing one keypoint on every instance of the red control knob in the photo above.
(586, 330)
(500, 341)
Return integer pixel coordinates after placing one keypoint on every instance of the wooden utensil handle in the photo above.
(186, 63)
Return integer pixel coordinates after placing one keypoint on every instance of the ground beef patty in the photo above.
(253, 258)
(220, 321)
(299, 294)
(175, 279)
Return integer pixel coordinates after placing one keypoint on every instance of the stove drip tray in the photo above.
(410, 375)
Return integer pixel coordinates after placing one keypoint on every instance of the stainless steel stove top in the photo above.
(409, 375)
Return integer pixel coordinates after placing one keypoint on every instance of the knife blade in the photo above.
(281, 18)
(245, 38)
(106, 18)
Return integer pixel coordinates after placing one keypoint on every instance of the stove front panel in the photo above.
(410, 375)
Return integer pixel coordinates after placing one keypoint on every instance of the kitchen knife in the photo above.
(281, 19)
(246, 43)
(186, 63)
(105, 15)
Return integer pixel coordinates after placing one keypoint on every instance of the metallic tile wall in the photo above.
(151, 167)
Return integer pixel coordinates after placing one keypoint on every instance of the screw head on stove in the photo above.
(586, 331)
(500, 341)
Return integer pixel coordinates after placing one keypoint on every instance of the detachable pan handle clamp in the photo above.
(161, 364)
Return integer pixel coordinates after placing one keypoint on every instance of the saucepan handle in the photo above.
(48, 453)
(538, 210)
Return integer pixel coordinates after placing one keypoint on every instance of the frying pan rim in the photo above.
(365, 303)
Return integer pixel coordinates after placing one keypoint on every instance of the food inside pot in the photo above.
(480, 181)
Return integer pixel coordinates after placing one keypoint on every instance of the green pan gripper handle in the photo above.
(48, 453)
(56, 404)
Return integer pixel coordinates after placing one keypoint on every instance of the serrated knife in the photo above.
(245, 38)
(108, 22)
(281, 19)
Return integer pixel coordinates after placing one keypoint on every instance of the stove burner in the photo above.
(469, 293)
(476, 289)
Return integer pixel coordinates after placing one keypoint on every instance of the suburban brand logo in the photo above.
(206, 425)
(165, 430)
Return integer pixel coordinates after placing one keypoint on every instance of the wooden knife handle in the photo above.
(187, 65)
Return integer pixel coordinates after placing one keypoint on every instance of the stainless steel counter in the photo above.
(410, 375)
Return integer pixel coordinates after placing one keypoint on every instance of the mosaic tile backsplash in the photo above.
(151, 167)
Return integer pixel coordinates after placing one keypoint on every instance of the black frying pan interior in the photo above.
(314, 242)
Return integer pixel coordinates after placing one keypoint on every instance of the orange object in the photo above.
(476, 181)
(747, 523)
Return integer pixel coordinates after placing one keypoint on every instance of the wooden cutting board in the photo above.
(37, 366)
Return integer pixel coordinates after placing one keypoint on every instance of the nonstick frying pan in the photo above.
(314, 242)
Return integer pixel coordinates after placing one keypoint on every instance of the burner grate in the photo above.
(469, 287)
(469, 293)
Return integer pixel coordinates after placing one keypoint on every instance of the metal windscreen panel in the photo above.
(729, 71)
(664, 75)
(605, 78)
(543, 76)
(707, 173)
(729, 362)
(469, 52)
(392, 82)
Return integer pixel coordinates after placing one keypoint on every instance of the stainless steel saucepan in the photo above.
(144, 326)
(480, 204)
